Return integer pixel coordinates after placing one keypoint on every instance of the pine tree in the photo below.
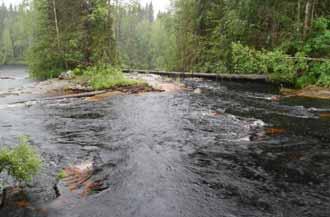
(151, 12)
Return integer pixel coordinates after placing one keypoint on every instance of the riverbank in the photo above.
(149, 81)
(75, 87)
(313, 92)
(212, 76)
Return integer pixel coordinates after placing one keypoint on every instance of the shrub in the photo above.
(275, 63)
(245, 60)
(21, 162)
(318, 43)
(305, 80)
(324, 71)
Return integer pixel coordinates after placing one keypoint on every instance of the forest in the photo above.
(288, 40)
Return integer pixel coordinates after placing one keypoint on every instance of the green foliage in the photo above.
(229, 37)
(259, 37)
(247, 60)
(163, 42)
(15, 33)
(68, 34)
(106, 77)
(273, 39)
(306, 80)
(319, 74)
(281, 67)
(323, 70)
(318, 42)
(277, 64)
(135, 34)
(61, 175)
(44, 58)
(21, 162)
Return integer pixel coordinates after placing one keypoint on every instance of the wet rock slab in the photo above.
(23, 202)
(158, 82)
(308, 92)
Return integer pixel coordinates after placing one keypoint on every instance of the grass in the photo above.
(102, 77)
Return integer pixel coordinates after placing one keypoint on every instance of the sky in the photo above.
(8, 2)
(160, 5)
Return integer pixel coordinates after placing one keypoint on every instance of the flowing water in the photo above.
(228, 150)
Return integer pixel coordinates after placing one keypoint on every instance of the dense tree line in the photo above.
(70, 34)
(290, 39)
(206, 28)
(143, 41)
(15, 33)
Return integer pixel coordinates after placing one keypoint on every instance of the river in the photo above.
(228, 150)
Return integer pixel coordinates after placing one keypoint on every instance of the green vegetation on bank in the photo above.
(298, 70)
(104, 76)
(305, 67)
(68, 34)
(15, 33)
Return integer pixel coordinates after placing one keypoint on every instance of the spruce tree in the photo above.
(69, 34)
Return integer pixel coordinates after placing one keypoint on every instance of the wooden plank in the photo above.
(251, 77)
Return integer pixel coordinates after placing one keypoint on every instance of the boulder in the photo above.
(68, 75)
(198, 91)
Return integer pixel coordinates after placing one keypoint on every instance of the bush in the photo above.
(280, 67)
(318, 74)
(245, 60)
(324, 71)
(105, 77)
(21, 162)
(275, 63)
(318, 43)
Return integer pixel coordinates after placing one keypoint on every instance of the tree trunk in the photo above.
(307, 18)
(58, 39)
(56, 25)
(87, 48)
(313, 10)
(298, 16)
